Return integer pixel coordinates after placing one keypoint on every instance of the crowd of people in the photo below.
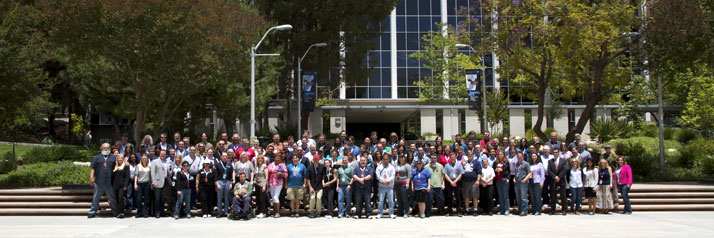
(468, 177)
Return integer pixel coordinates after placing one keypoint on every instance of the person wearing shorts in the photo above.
(470, 184)
(421, 186)
(296, 183)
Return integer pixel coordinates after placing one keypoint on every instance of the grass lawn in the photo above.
(19, 150)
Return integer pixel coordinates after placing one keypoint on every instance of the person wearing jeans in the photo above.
(362, 178)
(624, 173)
(503, 172)
(385, 175)
(523, 173)
(401, 187)
(224, 173)
(436, 193)
(576, 179)
(536, 183)
(344, 198)
(183, 191)
(241, 199)
(102, 166)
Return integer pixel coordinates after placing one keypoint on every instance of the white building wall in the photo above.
(586, 130)
(337, 117)
(561, 125)
(451, 123)
(472, 121)
(518, 123)
(428, 122)
(314, 123)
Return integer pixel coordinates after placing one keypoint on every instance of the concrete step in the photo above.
(55, 198)
(85, 205)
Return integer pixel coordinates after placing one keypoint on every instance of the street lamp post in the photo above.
(253, 49)
(299, 129)
(483, 84)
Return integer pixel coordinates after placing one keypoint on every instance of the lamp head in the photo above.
(283, 27)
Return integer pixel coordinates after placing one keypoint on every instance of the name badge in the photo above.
(205, 180)
(105, 164)
(224, 176)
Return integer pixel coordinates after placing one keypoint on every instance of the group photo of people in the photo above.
(350, 177)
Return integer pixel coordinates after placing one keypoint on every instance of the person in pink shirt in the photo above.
(277, 172)
(624, 182)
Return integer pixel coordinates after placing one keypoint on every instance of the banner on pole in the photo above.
(473, 87)
(308, 90)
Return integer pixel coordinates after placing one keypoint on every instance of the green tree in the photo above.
(699, 109)
(497, 110)
(447, 85)
(152, 61)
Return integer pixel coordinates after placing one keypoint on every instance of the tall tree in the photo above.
(149, 61)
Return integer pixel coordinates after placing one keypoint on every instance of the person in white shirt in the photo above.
(385, 175)
(487, 185)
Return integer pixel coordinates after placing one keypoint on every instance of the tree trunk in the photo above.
(230, 124)
(51, 124)
(590, 103)
(541, 111)
(139, 127)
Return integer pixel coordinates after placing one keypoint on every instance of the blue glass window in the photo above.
(424, 7)
(386, 59)
(386, 77)
(412, 7)
(412, 24)
(412, 41)
(424, 24)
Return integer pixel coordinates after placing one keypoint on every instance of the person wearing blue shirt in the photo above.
(101, 179)
(362, 181)
(491, 157)
(421, 186)
(458, 142)
(296, 183)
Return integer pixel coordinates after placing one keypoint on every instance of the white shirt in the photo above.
(487, 174)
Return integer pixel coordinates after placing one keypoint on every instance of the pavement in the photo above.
(643, 224)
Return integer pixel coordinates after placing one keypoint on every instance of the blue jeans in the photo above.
(159, 199)
(223, 196)
(142, 199)
(362, 196)
(344, 199)
(183, 198)
(438, 195)
(503, 199)
(130, 196)
(100, 190)
(241, 205)
(522, 195)
(625, 192)
(402, 198)
(576, 200)
(536, 192)
(388, 193)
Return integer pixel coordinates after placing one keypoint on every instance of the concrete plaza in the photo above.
(643, 224)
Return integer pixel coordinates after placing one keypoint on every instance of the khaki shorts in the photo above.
(295, 194)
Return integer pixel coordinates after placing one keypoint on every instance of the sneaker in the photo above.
(277, 215)
(328, 216)
(188, 216)
(90, 216)
(422, 216)
(205, 216)
(260, 215)
(407, 216)
(369, 217)
(209, 215)
(375, 217)
(176, 217)
(393, 216)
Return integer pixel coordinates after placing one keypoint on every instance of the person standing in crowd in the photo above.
(385, 175)
(174, 169)
(553, 143)
(120, 183)
(243, 165)
(241, 200)
(206, 187)
(604, 182)
(329, 181)
(102, 171)
(436, 185)
(611, 159)
(591, 181)
(488, 175)
(503, 172)
(624, 182)
(277, 172)
(523, 173)
(453, 173)
(296, 183)
(142, 186)
(344, 198)
(470, 183)
(421, 185)
(130, 195)
(183, 191)
(224, 173)
(261, 179)
(362, 178)
(159, 181)
(536, 183)
(195, 166)
(401, 187)
(557, 171)
(576, 179)
(512, 161)
(315, 172)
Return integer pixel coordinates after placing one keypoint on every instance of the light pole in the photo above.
(254, 48)
(299, 129)
(483, 84)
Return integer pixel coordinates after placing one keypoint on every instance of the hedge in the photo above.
(47, 174)
(55, 153)
(643, 155)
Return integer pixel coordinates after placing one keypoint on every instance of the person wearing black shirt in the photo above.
(120, 183)
(315, 172)
(224, 173)
(206, 187)
(102, 171)
(183, 191)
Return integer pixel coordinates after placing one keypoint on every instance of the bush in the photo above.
(707, 165)
(643, 154)
(686, 135)
(55, 153)
(605, 129)
(47, 174)
(7, 163)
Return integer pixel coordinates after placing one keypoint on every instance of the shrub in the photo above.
(7, 163)
(643, 154)
(686, 135)
(605, 129)
(55, 153)
(47, 174)
(707, 165)
(694, 151)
